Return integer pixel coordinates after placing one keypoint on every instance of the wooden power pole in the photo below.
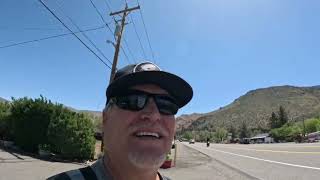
(118, 34)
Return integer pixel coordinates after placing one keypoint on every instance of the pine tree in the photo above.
(232, 130)
(274, 121)
(244, 131)
(283, 117)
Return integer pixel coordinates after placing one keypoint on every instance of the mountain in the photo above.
(184, 121)
(255, 107)
(316, 87)
(96, 114)
(3, 100)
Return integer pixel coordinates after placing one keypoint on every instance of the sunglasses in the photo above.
(135, 100)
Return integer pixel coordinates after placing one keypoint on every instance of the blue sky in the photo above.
(222, 48)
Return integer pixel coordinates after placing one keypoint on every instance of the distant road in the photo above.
(267, 161)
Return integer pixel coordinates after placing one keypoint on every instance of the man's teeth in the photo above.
(148, 134)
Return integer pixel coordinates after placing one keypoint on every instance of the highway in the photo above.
(198, 162)
(266, 161)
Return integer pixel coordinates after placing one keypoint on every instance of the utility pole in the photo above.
(118, 34)
(124, 12)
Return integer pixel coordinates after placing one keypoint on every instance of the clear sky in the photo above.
(223, 48)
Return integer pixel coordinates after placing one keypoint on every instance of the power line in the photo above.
(49, 37)
(125, 54)
(102, 18)
(136, 34)
(145, 28)
(29, 28)
(106, 1)
(91, 42)
(108, 26)
(73, 33)
(130, 52)
(141, 46)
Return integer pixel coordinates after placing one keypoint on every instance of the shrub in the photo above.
(71, 134)
(30, 120)
(220, 135)
(286, 132)
(5, 123)
(40, 124)
(312, 125)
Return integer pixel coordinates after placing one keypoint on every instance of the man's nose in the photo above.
(150, 111)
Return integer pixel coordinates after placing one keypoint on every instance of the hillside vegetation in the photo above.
(255, 108)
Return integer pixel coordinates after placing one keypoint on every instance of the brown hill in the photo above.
(185, 120)
(255, 107)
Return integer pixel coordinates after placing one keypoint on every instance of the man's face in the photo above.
(127, 133)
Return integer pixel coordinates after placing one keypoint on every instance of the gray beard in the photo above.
(146, 161)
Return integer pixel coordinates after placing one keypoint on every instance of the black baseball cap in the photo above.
(150, 73)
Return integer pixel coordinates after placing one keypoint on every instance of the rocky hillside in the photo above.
(255, 107)
(184, 121)
(3, 100)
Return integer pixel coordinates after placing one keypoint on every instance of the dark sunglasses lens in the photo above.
(166, 105)
(131, 102)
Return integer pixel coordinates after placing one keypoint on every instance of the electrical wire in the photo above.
(29, 29)
(145, 28)
(130, 52)
(49, 37)
(136, 34)
(125, 54)
(141, 46)
(90, 41)
(73, 33)
(122, 49)
(102, 18)
(106, 1)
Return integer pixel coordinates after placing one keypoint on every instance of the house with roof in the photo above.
(262, 138)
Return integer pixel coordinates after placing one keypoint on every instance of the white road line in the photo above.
(266, 160)
(274, 151)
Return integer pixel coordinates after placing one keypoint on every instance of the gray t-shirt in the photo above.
(96, 171)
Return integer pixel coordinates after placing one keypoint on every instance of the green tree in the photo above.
(187, 135)
(233, 132)
(283, 117)
(312, 125)
(318, 126)
(71, 134)
(220, 135)
(286, 133)
(5, 122)
(244, 132)
(30, 120)
(274, 122)
(203, 135)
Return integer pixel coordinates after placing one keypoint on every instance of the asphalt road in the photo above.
(196, 161)
(267, 161)
(14, 166)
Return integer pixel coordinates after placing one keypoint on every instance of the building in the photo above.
(261, 138)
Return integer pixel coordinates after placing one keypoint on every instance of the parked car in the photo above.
(191, 141)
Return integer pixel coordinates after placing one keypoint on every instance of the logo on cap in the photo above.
(146, 66)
